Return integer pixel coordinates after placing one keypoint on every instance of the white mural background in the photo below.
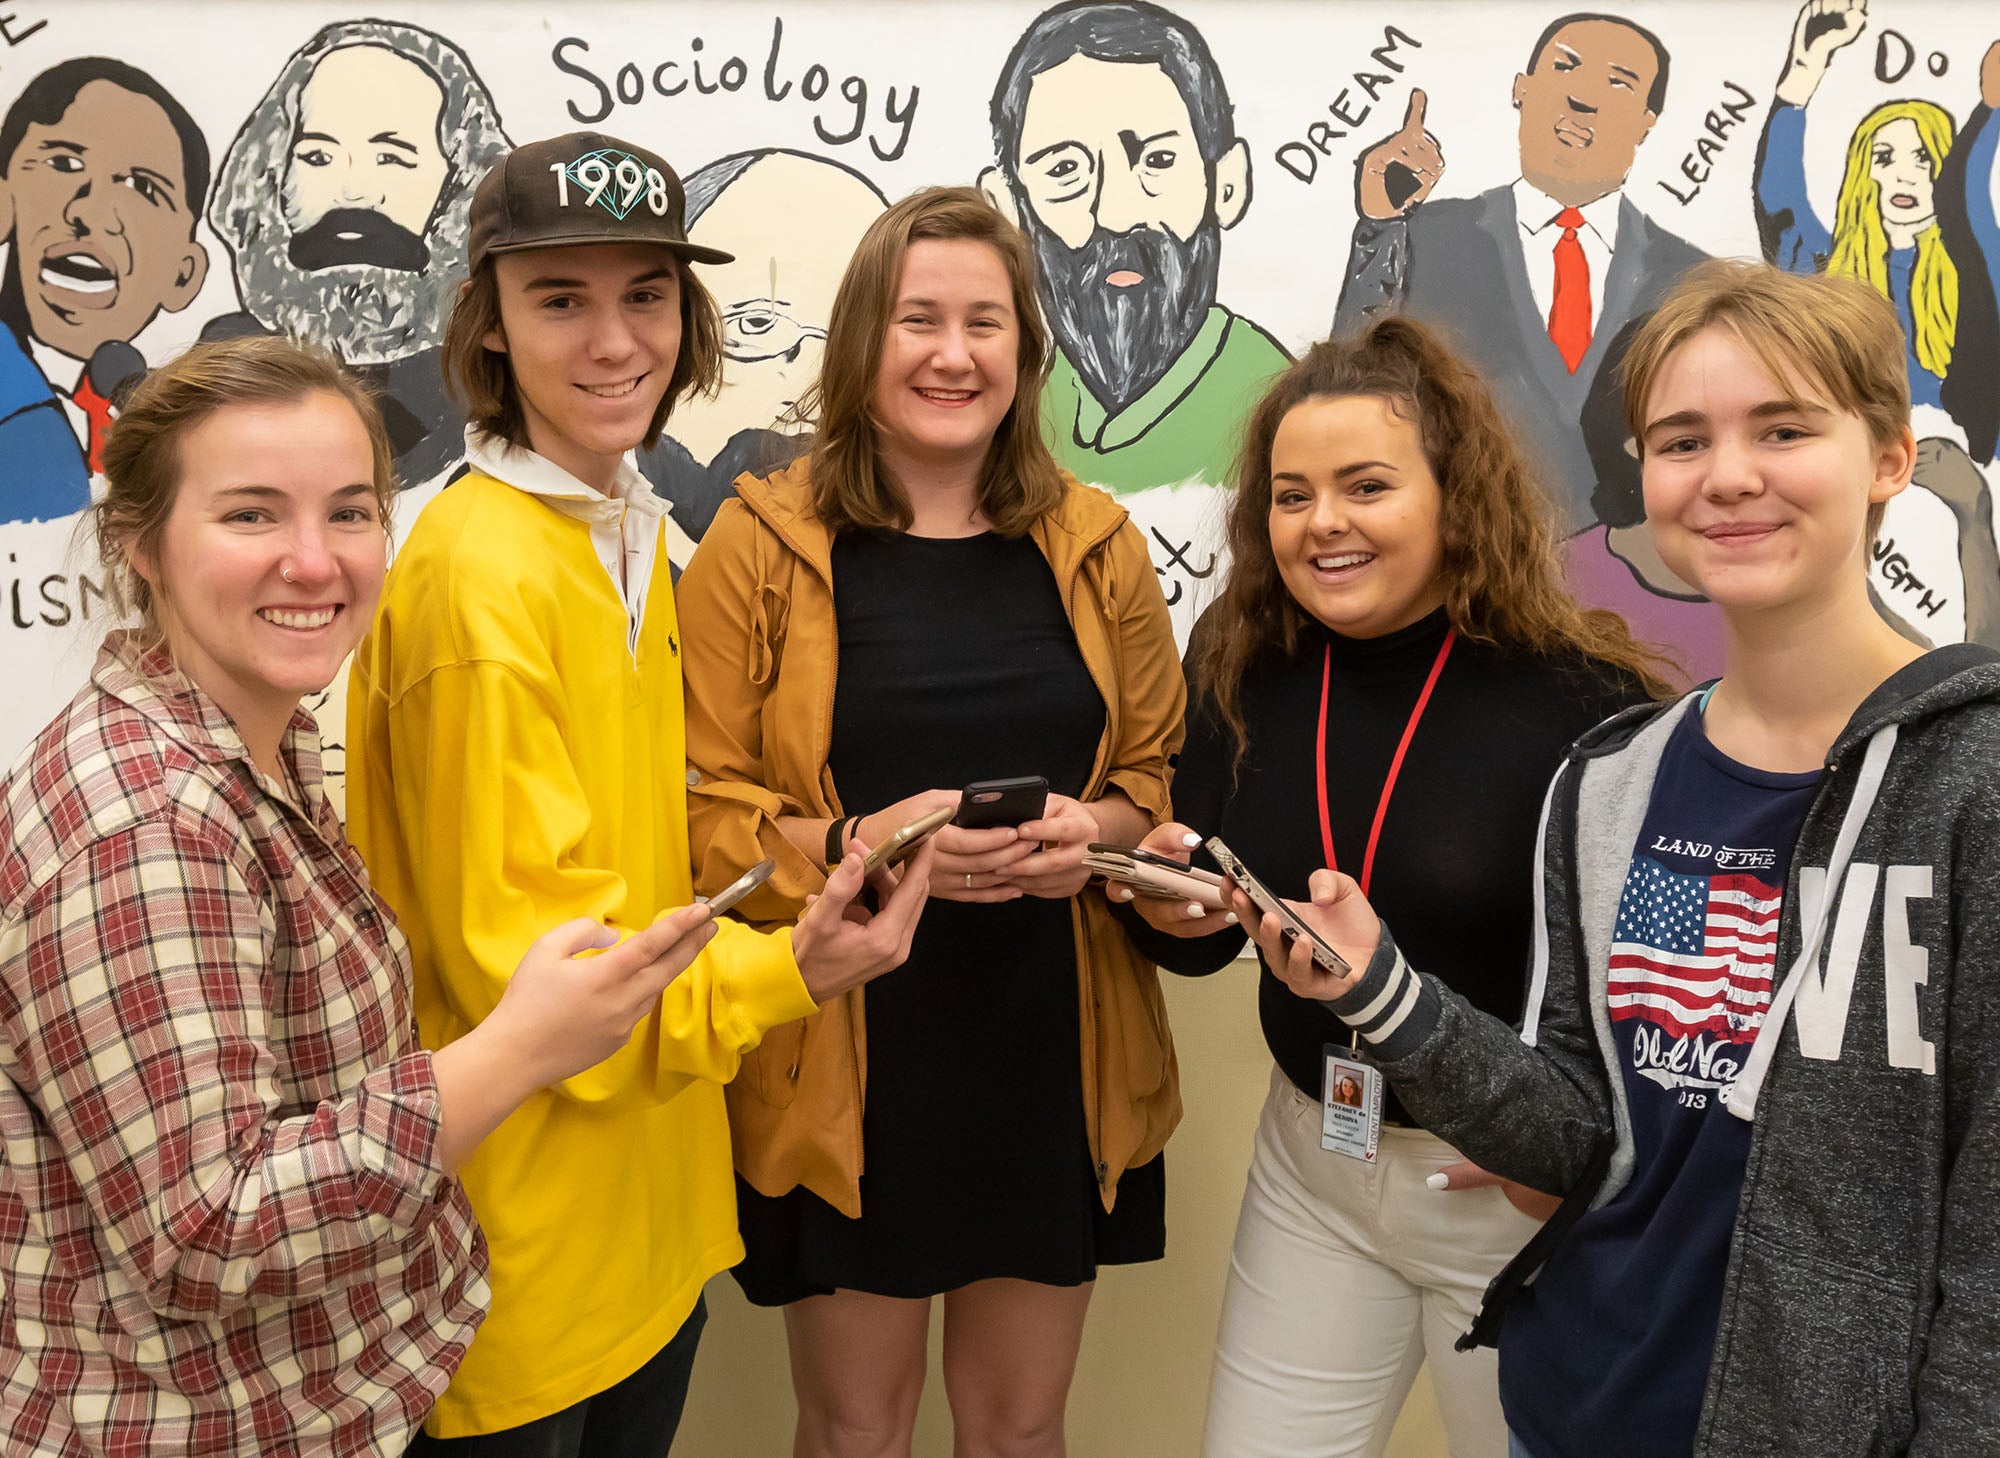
(899, 93)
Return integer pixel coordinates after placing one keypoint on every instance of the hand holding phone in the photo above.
(1156, 876)
(1295, 928)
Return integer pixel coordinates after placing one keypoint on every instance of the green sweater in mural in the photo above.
(1184, 429)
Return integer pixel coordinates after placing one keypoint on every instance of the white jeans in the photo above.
(1345, 1278)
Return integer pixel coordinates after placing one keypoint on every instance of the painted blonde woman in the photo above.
(1885, 228)
(1915, 220)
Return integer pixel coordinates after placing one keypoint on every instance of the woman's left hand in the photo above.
(1066, 829)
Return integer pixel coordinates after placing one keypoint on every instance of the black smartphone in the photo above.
(987, 803)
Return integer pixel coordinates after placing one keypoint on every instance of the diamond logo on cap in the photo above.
(595, 189)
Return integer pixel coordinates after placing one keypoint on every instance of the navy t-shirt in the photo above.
(1608, 1350)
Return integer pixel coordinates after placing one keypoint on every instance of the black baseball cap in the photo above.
(581, 187)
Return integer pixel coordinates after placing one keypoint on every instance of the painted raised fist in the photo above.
(1823, 28)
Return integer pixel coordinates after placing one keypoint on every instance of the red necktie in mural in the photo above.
(1569, 315)
(98, 409)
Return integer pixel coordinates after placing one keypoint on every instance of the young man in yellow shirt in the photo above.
(516, 758)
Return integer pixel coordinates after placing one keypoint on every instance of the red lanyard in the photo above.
(1395, 765)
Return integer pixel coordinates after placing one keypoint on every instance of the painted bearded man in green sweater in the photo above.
(1118, 156)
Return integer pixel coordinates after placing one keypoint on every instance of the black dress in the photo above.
(957, 663)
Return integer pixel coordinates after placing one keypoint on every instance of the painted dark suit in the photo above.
(1459, 263)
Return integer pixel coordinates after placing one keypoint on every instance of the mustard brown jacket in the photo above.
(761, 659)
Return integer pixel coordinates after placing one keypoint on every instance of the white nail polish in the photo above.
(1191, 840)
(1193, 910)
(1438, 1181)
(1231, 918)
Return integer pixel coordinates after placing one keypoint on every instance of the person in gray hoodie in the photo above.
(1761, 1057)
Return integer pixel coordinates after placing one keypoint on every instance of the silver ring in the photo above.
(286, 573)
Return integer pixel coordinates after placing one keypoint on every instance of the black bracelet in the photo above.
(837, 834)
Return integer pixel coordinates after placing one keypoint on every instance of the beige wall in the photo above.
(1142, 1384)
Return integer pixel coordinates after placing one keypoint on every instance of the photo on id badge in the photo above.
(1350, 1106)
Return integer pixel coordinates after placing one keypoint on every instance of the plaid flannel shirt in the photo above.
(223, 1223)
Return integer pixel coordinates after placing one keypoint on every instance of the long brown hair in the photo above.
(1500, 569)
(1020, 481)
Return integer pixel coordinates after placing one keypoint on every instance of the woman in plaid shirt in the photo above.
(229, 1221)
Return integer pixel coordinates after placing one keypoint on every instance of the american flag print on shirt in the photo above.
(1692, 952)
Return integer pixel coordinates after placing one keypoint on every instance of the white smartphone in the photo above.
(741, 887)
(1233, 867)
(1155, 875)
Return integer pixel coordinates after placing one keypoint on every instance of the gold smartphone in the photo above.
(899, 846)
(741, 887)
(1265, 901)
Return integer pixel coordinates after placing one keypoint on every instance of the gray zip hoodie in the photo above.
(1861, 1309)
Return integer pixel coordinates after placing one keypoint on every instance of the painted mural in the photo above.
(1119, 157)
(1208, 186)
(775, 299)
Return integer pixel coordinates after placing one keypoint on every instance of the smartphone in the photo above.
(1151, 858)
(898, 847)
(987, 803)
(741, 887)
(1233, 867)
(1155, 875)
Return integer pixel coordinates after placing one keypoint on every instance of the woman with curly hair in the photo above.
(1386, 683)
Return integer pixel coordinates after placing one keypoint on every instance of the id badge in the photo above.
(1350, 1105)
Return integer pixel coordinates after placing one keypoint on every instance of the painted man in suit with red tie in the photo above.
(1544, 281)
(102, 173)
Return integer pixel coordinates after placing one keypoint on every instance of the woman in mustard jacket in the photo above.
(924, 601)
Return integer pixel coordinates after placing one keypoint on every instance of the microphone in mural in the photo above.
(102, 175)
(344, 201)
(775, 299)
(1118, 156)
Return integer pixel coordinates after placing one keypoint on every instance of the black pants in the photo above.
(635, 1419)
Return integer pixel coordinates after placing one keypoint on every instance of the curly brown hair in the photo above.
(1501, 568)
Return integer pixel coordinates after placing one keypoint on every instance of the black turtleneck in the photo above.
(1454, 867)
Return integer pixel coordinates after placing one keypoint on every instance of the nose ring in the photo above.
(286, 573)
